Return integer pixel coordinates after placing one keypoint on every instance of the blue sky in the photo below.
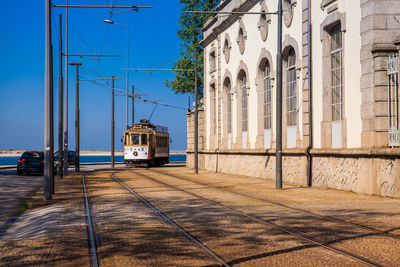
(153, 43)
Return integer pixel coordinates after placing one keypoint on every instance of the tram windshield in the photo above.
(135, 139)
(126, 139)
(144, 139)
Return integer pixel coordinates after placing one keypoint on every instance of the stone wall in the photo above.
(254, 164)
(354, 172)
(380, 30)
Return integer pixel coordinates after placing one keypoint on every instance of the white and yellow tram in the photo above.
(146, 143)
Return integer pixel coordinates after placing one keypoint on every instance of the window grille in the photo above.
(336, 74)
(267, 97)
(291, 98)
(244, 103)
(393, 100)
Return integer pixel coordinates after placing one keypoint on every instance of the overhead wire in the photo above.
(80, 37)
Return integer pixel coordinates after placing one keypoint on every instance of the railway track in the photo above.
(174, 225)
(316, 215)
(281, 228)
(94, 239)
(91, 226)
(212, 250)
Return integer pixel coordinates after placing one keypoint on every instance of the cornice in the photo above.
(220, 25)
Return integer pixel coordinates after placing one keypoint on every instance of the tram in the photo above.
(146, 144)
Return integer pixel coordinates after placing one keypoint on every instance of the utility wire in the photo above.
(80, 37)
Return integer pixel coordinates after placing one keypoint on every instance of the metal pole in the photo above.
(60, 104)
(279, 101)
(52, 119)
(66, 95)
(133, 105)
(112, 125)
(196, 117)
(310, 97)
(47, 103)
(77, 167)
(127, 76)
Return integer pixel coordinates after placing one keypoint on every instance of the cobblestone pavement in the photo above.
(243, 220)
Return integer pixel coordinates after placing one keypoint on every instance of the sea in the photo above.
(9, 161)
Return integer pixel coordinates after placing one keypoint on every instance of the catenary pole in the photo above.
(48, 164)
(77, 135)
(127, 77)
(133, 105)
(279, 101)
(60, 103)
(66, 95)
(196, 117)
(112, 125)
(52, 118)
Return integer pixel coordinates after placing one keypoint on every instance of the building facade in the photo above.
(340, 93)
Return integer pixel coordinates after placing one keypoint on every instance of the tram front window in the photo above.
(135, 139)
(126, 139)
(144, 139)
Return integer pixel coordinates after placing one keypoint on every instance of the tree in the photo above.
(190, 33)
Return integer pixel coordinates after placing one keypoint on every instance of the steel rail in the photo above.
(377, 231)
(273, 225)
(92, 230)
(169, 221)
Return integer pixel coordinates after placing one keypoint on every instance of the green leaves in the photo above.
(190, 33)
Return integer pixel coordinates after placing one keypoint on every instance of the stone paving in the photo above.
(55, 232)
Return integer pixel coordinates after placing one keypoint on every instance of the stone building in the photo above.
(340, 96)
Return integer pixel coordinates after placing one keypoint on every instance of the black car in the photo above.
(30, 162)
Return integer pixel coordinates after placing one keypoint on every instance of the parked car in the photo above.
(30, 162)
(71, 157)
(71, 160)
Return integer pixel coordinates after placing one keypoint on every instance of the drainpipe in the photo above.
(310, 109)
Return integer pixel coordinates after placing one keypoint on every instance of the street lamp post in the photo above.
(127, 65)
(66, 96)
(77, 64)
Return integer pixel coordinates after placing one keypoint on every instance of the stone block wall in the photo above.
(190, 129)
(380, 30)
(365, 172)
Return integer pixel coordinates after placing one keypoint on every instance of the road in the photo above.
(171, 217)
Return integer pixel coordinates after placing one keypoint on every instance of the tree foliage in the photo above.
(190, 33)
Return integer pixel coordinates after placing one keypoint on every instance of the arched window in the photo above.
(267, 96)
(228, 88)
(336, 73)
(291, 94)
(243, 87)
